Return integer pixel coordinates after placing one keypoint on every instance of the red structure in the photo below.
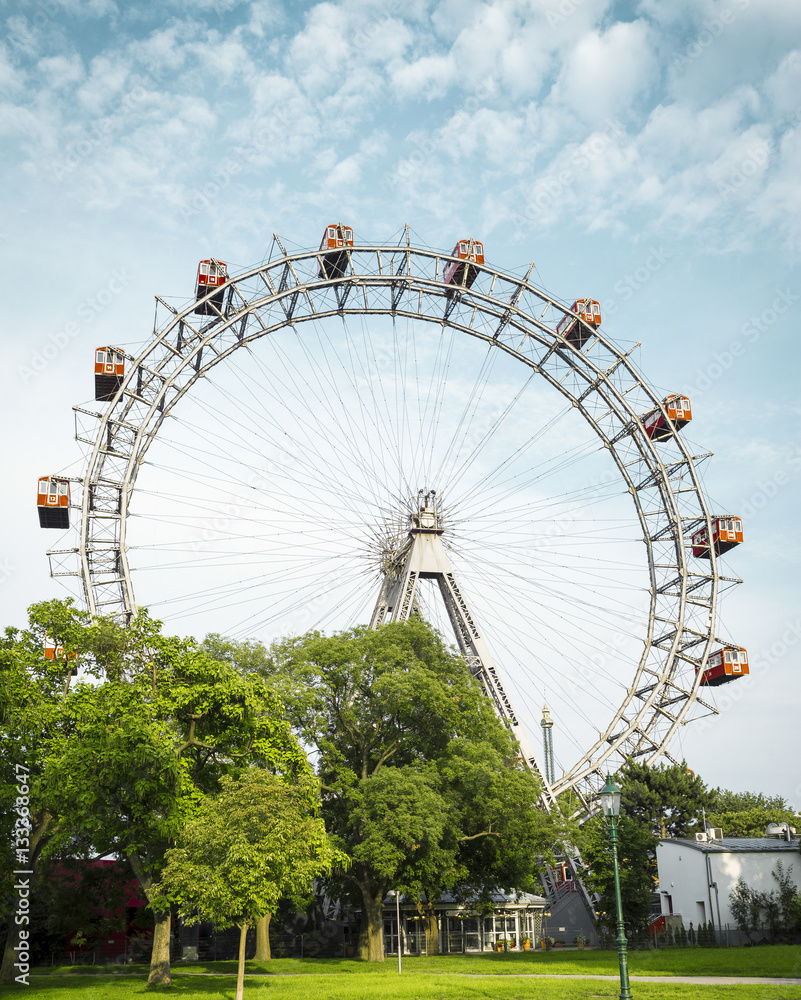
(462, 271)
(679, 414)
(211, 274)
(133, 925)
(53, 502)
(54, 652)
(727, 664)
(578, 331)
(109, 372)
(334, 261)
(726, 533)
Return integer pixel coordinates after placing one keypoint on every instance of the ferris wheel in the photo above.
(254, 470)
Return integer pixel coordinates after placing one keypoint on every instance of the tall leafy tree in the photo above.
(120, 762)
(667, 799)
(243, 849)
(421, 782)
(638, 876)
(142, 751)
(747, 814)
(32, 691)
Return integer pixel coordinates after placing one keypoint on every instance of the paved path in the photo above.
(692, 980)
(695, 980)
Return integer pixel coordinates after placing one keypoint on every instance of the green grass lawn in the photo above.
(495, 977)
(385, 987)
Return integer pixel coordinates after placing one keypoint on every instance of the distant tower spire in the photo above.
(547, 744)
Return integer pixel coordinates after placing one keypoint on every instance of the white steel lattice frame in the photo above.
(503, 310)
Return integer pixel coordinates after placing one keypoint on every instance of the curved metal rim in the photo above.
(598, 379)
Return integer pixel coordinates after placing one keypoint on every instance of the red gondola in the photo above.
(678, 414)
(53, 502)
(726, 533)
(211, 274)
(462, 271)
(578, 331)
(109, 371)
(55, 652)
(334, 262)
(727, 664)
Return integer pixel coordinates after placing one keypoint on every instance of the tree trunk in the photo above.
(429, 918)
(373, 918)
(263, 953)
(162, 924)
(160, 956)
(36, 842)
(7, 972)
(240, 972)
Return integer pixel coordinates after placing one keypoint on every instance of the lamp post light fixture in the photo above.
(610, 807)
(396, 894)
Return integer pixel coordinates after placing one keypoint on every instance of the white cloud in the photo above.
(427, 77)
(62, 70)
(607, 73)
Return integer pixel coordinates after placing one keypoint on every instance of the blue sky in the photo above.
(645, 153)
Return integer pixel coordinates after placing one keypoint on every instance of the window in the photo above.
(685, 404)
(728, 656)
(101, 357)
(332, 233)
(43, 486)
(462, 248)
(349, 234)
(204, 267)
(479, 248)
(738, 525)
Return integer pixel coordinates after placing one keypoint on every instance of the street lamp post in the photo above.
(396, 894)
(610, 806)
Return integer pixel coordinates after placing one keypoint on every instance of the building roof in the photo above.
(738, 845)
(523, 900)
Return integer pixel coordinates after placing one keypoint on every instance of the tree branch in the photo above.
(484, 833)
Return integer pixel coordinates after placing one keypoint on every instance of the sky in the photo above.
(645, 153)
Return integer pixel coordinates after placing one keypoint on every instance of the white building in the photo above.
(696, 876)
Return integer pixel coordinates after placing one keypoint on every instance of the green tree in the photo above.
(421, 782)
(32, 691)
(117, 765)
(244, 848)
(750, 822)
(788, 895)
(747, 814)
(724, 800)
(636, 849)
(667, 799)
(746, 906)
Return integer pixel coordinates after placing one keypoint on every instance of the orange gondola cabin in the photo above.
(334, 261)
(725, 665)
(53, 651)
(578, 331)
(678, 415)
(462, 271)
(726, 533)
(211, 274)
(109, 371)
(53, 502)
